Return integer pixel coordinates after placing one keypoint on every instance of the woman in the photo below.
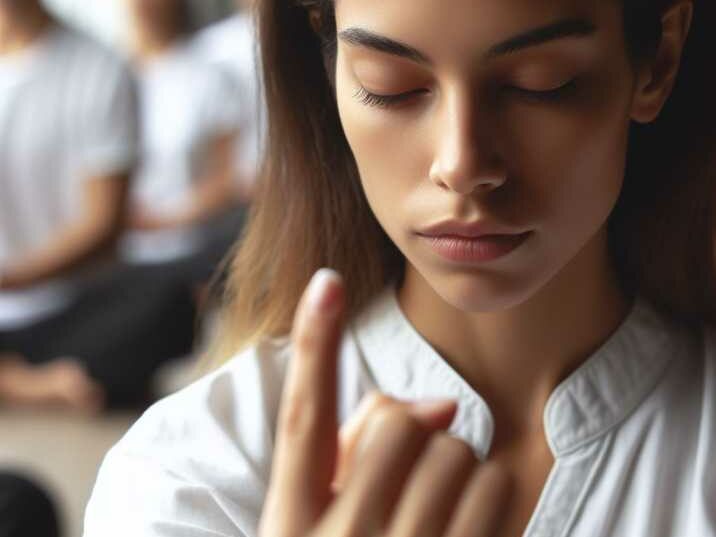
(522, 217)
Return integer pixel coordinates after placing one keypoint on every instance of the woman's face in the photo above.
(512, 114)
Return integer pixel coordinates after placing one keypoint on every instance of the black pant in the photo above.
(123, 325)
(25, 509)
(130, 319)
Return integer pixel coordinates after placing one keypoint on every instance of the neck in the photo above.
(515, 358)
(21, 26)
(150, 44)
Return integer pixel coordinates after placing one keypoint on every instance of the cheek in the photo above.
(570, 170)
(389, 152)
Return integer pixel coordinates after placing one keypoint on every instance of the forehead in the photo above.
(447, 26)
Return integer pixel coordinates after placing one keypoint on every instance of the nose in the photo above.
(465, 160)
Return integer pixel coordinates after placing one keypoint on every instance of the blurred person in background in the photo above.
(75, 330)
(184, 205)
(26, 510)
(232, 45)
(67, 146)
(190, 121)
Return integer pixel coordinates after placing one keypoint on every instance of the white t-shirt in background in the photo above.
(232, 45)
(185, 104)
(67, 114)
(632, 431)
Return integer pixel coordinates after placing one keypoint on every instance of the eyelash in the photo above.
(384, 101)
(553, 95)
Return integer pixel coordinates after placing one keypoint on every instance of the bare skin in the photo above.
(20, 24)
(61, 383)
(154, 26)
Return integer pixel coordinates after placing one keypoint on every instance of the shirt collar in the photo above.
(594, 398)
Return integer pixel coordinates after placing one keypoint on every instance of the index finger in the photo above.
(307, 430)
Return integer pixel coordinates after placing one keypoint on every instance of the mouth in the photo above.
(480, 248)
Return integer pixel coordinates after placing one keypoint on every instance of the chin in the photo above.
(484, 292)
(477, 300)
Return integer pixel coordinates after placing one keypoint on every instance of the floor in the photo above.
(63, 452)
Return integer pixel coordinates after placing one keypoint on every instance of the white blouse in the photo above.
(632, 431)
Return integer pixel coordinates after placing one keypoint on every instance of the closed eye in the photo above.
(554, 94)
(383, 101)
(373, 99)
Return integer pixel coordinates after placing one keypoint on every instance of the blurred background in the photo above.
(130, 132)
(108, 20)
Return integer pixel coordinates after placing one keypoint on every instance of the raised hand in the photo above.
(393, 472)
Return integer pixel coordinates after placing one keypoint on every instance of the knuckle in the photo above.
(369, 404)
(376, 400)
(453, 449)
(397, 420)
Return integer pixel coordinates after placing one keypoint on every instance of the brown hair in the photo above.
(310, 210)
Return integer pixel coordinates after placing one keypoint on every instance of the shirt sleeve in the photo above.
(110, 125)
(197, 463)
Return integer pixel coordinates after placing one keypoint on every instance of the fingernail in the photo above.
(319, 298)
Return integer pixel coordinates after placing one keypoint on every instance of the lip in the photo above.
(472, 242)
(470, 230)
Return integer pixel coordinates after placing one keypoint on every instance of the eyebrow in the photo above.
(574, 27)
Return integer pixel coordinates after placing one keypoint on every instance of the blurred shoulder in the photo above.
(74, 44)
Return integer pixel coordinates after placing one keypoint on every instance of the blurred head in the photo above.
(548, 118)
(168, 18)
